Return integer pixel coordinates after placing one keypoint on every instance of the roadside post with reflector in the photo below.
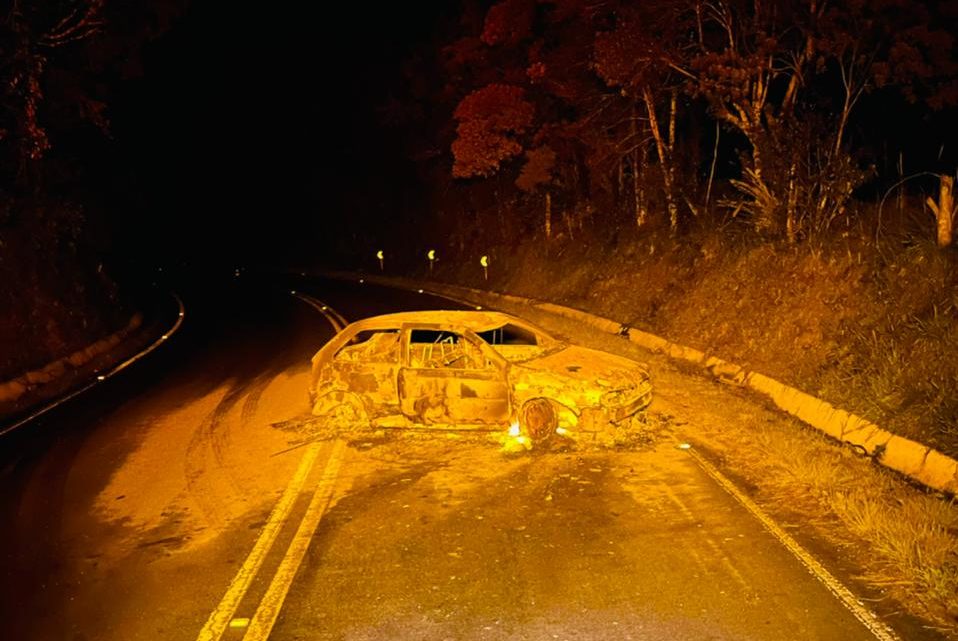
(484, 261)
(431, 255)
(380, 256)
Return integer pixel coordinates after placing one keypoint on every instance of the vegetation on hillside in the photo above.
(62, 63)
(781, 117)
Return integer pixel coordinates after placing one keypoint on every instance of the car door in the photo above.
(450, 377)
(367, 364)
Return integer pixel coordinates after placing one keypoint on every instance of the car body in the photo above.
(472, 369)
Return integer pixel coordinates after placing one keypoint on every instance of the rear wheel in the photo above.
(342, 410)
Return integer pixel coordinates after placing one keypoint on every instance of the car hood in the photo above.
(581, 373)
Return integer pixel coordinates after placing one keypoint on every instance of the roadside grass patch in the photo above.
(904, 539)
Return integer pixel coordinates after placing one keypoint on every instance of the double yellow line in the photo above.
(259, 626)
(262, 621)
(337, 320)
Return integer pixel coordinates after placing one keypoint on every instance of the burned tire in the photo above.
(538, 419)
(342, 410)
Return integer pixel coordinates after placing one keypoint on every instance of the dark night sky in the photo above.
(246, 126)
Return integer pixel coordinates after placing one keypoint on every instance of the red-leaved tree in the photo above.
(491, 120)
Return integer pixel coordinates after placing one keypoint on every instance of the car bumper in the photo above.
(638, 403)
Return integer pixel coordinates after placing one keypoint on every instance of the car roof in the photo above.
(477, 321)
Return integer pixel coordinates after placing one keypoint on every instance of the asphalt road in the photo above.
(167, 504)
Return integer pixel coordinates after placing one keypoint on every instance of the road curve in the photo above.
(166, 504)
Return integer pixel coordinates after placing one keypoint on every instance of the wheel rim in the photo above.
(539, 419)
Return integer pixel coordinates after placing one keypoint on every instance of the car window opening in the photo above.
(509, 335)
(433, 336)
(440, 349)
(371, 344)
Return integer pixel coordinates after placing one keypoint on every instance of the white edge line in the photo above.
(268, 610)
(103, 377)
(335, 312)
(869, 619)
(219, 619)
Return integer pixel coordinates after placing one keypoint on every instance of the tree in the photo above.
(537, 173)
(622, 91)
(57, 55)
(61, 59)
(772, 72)
(636, 56)
(490, 121)
(32, 33)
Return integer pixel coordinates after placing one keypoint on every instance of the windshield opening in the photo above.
(510, 334)
(517, 343)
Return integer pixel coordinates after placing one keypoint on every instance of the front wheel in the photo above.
(538, 419)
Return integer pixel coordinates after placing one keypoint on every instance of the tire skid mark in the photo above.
(251, 403)
(717, 551)
(209, 443)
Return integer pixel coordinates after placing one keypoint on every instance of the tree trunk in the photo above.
(500, 216)
(638, 185)
(617, 182)
(638, 173)
(548, 215)
(791, 225)
(673, 103)
(673, 207)
(665, 163)
(944, 210)
(708, 190)
(842, 123)
(768, 214)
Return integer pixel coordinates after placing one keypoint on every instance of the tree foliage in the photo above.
(58, 56)
(62, 61)
(537, 170)
(509, 22)
(634, 101)
(491, 120)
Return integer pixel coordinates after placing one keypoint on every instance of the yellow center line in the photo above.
(324, 307)
(265, 617)
(220, 618)
(337, 320)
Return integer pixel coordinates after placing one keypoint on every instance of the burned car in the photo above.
(472, 369)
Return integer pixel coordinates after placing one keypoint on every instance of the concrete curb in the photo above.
(916, 461)
(13, 389)
(86, 356)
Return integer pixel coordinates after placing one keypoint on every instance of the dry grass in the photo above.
(910, 538)
(914, 539)
(897, 361)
